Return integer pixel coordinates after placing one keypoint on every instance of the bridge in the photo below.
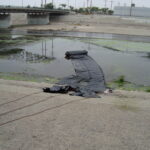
(32, 10)
(34, 16)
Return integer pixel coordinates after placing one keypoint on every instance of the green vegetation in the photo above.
(10, 51)
(8, 40)
(148, 90)
(26, 77)
(63, 6)
(5, 37)
(120, 81)
(94, 10)
(122, 84)
(119, 45)
(49, 6)
(71, 8)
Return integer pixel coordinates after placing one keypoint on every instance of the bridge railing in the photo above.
(31, 9)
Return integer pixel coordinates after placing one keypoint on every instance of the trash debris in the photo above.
(88, 81)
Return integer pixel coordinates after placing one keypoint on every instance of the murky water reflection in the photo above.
(46, 57)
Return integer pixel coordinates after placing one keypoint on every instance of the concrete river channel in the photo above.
(43, 52)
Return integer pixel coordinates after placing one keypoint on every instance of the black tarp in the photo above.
(88, 81)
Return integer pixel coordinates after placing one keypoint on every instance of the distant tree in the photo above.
(63, 5)
(60, 8)
(104, 10)
(90, 10)
(94, 9)
(49, 6)
(28, 6)
(81, 10)
(110, 12)
(71, 8)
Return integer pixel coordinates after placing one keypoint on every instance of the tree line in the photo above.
(87, 10)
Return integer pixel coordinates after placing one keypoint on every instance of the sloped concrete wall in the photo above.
(99, 19)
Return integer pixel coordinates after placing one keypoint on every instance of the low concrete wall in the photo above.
(135, 11)
(4, 20)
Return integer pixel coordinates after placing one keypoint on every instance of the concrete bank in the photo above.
(97, 23)
(21, 18)
(31, 119)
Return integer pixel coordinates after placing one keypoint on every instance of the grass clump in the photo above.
(8, 40)
(10, 51)
(148, 90)
(120, 81)
(122, 84)
(26, 77)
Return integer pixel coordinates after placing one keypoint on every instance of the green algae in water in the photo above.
(6, 52)
(122, 84)
(118, 45)
(8, 40)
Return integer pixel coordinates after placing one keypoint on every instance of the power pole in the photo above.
(87, 3)
(42, 3)
(75, 4)
(84, 4)
(105, 3)
(131, 8)
(111, 4)
(22, 3)
(68, 3)
(91, 3)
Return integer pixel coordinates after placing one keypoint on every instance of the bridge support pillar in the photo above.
(38, 18)
(5, 20)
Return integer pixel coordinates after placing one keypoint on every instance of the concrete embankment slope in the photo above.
(31, 119)
(97, 23)
(101, 19)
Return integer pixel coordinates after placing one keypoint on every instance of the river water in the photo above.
(46, 58)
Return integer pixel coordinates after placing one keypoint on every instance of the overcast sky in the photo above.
(78, 3)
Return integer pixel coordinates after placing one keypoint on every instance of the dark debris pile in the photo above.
(88, 81)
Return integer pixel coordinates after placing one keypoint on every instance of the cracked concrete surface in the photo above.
(33, 120)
